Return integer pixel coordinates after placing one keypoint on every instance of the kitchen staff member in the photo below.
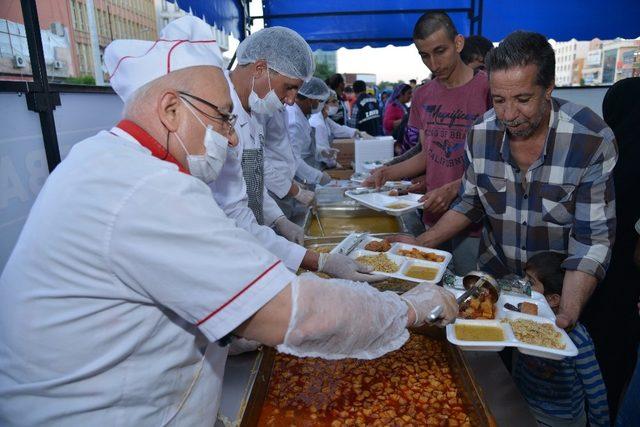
(325, 130)
(127, 274)
(280, 163)
(310, 99)
(272, 63)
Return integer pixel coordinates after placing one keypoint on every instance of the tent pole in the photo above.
(41, 99)
(480, 17)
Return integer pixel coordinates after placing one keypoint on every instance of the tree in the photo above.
(323, 71)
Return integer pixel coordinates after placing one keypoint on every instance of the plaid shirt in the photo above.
(564, 203)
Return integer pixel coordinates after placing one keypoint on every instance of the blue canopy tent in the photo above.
(331, 24)
(229, 16)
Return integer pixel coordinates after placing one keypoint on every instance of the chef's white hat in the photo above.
(185, 42)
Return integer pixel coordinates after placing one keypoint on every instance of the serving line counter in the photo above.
(491, 395)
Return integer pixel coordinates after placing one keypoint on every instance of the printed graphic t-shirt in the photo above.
(445, 115)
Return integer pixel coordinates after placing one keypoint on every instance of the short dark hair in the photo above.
(335, 80)
(547, 266)
(431, 22)
(413, 81)
(348, 89)
(475, 46)
(359, 86)
(522, 48)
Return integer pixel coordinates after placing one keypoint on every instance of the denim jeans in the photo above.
(629, 412)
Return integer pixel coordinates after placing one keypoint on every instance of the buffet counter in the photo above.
(264, 388)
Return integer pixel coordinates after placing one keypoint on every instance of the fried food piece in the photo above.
(378, 246)
(418, 254)
(528, 308)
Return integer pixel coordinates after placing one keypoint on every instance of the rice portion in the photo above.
(379, 262)
(542, 334)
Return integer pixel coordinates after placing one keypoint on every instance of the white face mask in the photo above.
(206, 167)
(332, 109)
(318, 108)
(267, 105)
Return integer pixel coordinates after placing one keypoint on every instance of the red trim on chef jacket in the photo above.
(149, 142)
(217, 310)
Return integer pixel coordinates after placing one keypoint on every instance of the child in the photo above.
(558, 390)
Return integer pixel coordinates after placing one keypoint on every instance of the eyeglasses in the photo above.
(229, 119)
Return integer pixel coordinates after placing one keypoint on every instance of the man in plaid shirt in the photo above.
(538, 173)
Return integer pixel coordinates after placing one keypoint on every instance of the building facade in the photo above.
(326, 57)
(569, 56)
(57, 40)
(115, 19)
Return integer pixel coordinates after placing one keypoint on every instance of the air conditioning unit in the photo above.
(57, 28)
(19, 61)
(58, 65)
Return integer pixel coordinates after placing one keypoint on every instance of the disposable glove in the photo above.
(363, 135)
(305, 196)
(329, 153)
(289, 230)
(336, 319)
(325, 179)
(241, 345)
(343, 267)
(425, 297)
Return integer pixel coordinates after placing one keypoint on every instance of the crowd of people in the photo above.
(157, 243)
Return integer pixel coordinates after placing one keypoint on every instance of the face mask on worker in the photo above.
(332, 110)
(206, 167)
(318, 108)
(267, 105)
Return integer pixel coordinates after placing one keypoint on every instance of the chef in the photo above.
(272, 64)
(127, 275)
(310, 99)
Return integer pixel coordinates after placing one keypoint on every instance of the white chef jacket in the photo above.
(125, 275)
(300, 137)
(326, 131)
(279, 160)
(230, 191)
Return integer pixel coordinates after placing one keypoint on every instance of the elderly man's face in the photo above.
(520, 104)
(213, 89)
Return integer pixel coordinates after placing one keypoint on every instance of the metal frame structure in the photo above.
(43, 97)
(474, 13)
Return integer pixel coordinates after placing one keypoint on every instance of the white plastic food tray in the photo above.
(403, 262)
(545, 315)
(381, 201)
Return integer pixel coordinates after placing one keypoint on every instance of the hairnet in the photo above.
(333, 96)
(284, 50)
(315, 88)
